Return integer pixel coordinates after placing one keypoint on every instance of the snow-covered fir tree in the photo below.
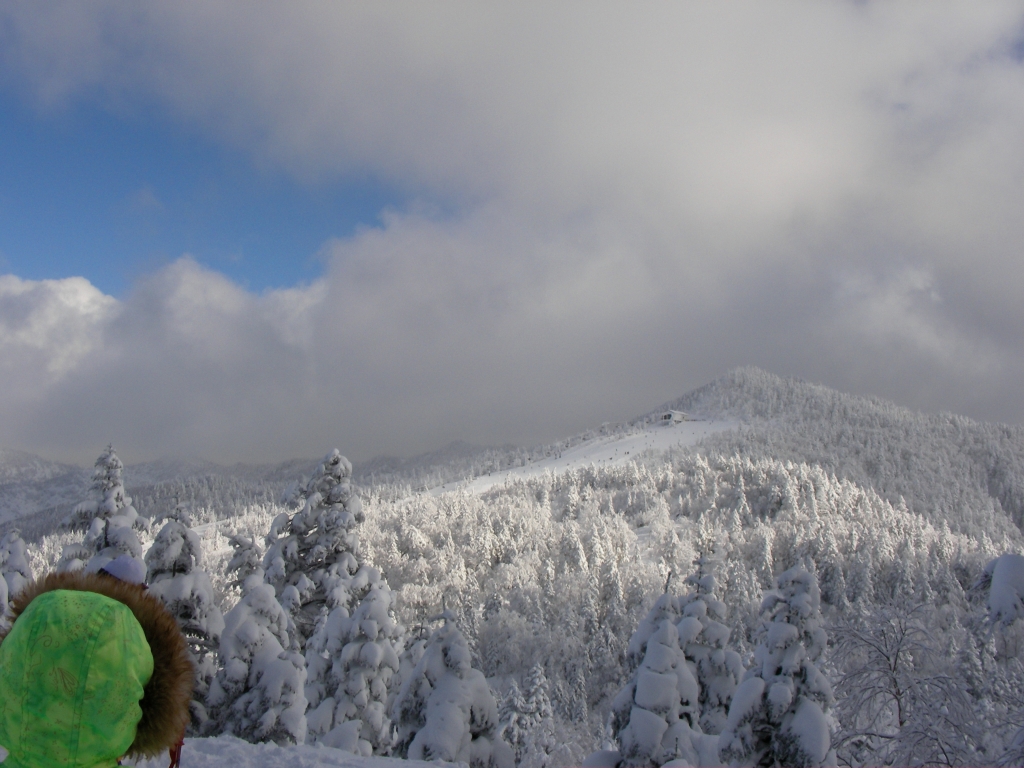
(351, 661)
(258, 693)
(445, 709)
(414, 646)
(179, 513)
(313, 549)
(246, 558)
(513, 716)
(704, 638)
(110, 522)
(528, 721)
(15, 571)
(656, 714)
(176, 576)
(106, 497)
(778, 714)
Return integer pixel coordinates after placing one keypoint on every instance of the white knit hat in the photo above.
(126, 568)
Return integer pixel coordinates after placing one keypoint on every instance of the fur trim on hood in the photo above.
(165, 702)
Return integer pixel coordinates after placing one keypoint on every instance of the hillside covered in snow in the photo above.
(786, 573)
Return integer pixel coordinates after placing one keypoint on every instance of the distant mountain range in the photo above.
(945, 467)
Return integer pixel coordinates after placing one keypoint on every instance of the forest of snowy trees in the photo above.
(720, 605)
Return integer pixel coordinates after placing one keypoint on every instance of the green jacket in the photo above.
(91, 669)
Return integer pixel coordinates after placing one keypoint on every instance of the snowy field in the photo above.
(228, 751)
(601, 451)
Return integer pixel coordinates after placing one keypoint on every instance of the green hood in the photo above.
(72, 672)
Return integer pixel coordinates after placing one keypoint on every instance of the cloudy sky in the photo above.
(252, 232)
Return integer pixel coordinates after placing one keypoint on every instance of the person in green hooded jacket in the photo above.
(92, 668)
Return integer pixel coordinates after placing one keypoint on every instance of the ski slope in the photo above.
(600, 451)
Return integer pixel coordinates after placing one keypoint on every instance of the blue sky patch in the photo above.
(83, 192)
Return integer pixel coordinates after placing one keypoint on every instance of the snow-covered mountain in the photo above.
(945, 467)
(21, 467)
(29, 484)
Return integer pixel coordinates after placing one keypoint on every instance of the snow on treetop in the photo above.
(1006, 588)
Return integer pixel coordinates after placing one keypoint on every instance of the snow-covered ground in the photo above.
(224, 751)
(602, 451)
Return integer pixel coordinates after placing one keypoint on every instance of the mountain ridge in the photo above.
(944, 466)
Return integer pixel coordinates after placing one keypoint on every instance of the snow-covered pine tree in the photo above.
(416, 641)
(177, 578)
(314, 549)
(860, 587)
(528, 721)
(179, 514)
(15, 571)
(350, 662)
(110, 521)
(655, 716)
(106, 493)
(513, 716)
(258, 692)
(833, 582)
(246, 559)
(445, 709)
(703, 637)
(778, 712)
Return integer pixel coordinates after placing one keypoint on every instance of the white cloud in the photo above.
(56, 322)
(636, 200)
(904, 311)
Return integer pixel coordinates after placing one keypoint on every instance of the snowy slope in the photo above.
(600, 451)
(21, 467)
(27, 496)
(230, 751)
